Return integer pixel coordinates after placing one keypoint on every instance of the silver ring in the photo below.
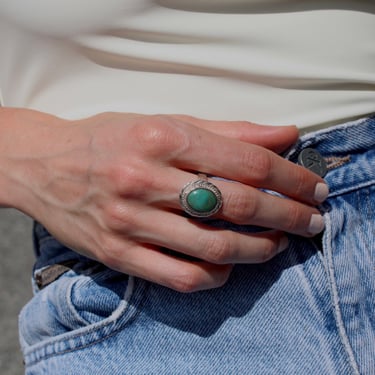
(201, 198)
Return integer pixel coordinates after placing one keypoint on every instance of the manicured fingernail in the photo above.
(321, 192)
(316, 224)
(283, 244)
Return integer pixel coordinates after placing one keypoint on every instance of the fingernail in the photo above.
(283, 244)
(321, 192)
(316, 224)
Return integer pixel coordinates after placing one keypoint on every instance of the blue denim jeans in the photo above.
(310, 310)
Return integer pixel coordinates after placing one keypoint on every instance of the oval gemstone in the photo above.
(202, 200)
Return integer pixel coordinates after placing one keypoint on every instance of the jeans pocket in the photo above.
(77, 304)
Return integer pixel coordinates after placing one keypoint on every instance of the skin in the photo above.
(107, 186)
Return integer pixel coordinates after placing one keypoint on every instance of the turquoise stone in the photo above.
(202, 200)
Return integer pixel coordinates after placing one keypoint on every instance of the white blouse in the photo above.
(304, 62)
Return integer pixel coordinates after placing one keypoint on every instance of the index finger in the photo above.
(275, 138)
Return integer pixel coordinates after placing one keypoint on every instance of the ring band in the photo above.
(201, 198)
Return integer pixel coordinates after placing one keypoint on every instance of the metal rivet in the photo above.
(312, 160)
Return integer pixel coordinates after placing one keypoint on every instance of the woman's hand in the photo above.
(108, 187)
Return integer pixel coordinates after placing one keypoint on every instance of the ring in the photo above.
(201, 198)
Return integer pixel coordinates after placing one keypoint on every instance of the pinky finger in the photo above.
(185, 276)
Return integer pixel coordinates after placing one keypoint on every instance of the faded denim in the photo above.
(310, 310)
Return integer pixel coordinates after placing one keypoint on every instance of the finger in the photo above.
(242, 204)
(147, 262)
(246, 205)
(250, 164)
(275, 138)
(218, 246)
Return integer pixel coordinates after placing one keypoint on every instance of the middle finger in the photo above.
(250, 164)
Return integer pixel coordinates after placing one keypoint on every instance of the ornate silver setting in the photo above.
(201, 183)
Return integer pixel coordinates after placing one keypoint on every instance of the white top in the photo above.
(303, 62)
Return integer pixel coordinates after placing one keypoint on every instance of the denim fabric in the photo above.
(310, 310)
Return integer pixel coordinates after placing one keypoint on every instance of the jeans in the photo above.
(310, 310)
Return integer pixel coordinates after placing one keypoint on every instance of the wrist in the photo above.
(24, 134)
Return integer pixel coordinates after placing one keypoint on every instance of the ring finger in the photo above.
(246, 205)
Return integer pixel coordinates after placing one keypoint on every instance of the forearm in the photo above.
(13, 133)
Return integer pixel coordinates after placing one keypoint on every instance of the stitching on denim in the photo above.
(85, 282)
(336, 305)
(68, 298)
(46, 357)
(351, 188)
(319, 134)
(335, 161)
(371, 213)
(81, 347)
(309, 139)
(139, 297)
(102, 325)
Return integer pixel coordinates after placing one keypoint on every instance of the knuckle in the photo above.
(185, 118)
(268, 252)
(160, 137)
(242, 207)
(257, 163)
(217, 249)
(301, 179)
(293, 218)
(131, 180)
(109, 252)
(187, 280)
(223, 279)
(223, 275)
(118, 217)
(115, 252)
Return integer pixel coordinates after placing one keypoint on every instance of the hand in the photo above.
(108, 187)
